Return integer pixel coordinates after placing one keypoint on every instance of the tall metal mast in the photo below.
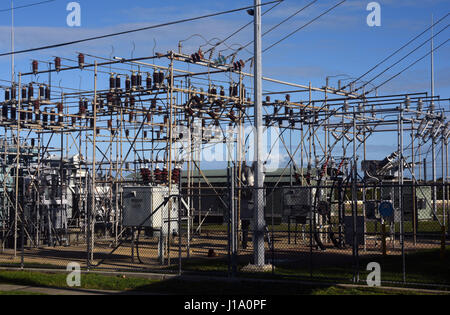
(258, 238)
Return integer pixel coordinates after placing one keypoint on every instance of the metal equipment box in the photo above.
(143, 207)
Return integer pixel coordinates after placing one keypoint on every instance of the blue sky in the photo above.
(339, 43)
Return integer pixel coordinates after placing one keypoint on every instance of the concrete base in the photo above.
(255, 268)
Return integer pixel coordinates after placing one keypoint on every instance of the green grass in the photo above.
(58, 280)
(181, 287)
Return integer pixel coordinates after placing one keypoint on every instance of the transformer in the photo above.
(142, 207)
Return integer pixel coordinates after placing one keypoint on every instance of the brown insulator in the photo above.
(134, 80)
(158, 174)
(7, 95)
(58, 64)
(130, 117)
(30, 92)
(47, 93)
(81, 61)
(288, 97)
(118, 83)
(112, 82)
(127, 84)
(35, 66)
(164, 175)
(110, 124)
(24, 93)
(149, 82)
(41, 91)
(127, 133)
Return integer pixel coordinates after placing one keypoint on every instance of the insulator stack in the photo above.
(81, 61)
(146, 175)
(158, 175)
(91, 123)
(47, 93)
(164, 175)
(153, 105)
(127, 133)
(36, 106)
(41, 91)
(52, 116)
(30, 92)
(23, 116)
(109, 124)
(148, 117)
(238, 65)
(134, 80)
(234, 90)
(24, 93)
(13, 93)
(5, 111)
(118, 83)
(58, 64)
(132, 101)
(130, 117)
(139, 80)
(45, 117)
(74, 121)
(35, 66)
(7, 95)
(127, 84)
(145, 134)
(149, 82)
(30, 115)
(112, 83)
(176, 173)
(13, 112)
(82, 109)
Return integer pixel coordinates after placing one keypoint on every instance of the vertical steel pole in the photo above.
(258, 237)
(94, 149)
(400, 201)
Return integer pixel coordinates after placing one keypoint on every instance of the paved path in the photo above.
(60, 291)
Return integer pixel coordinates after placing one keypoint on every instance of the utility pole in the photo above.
(259, 224)
(12, 43)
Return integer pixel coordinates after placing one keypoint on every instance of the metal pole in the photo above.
(400, 199)
(94, 149)
(258, 237)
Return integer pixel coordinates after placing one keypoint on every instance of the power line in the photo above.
(412, 64)
(282, 22)
(394, 53)
(26, 5)
(240, 29)
(134, 30)
(396, 63)
(305, 25)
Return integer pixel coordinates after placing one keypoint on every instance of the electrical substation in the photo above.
(111, 177)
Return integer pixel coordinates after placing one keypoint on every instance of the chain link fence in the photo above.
(333, 231)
